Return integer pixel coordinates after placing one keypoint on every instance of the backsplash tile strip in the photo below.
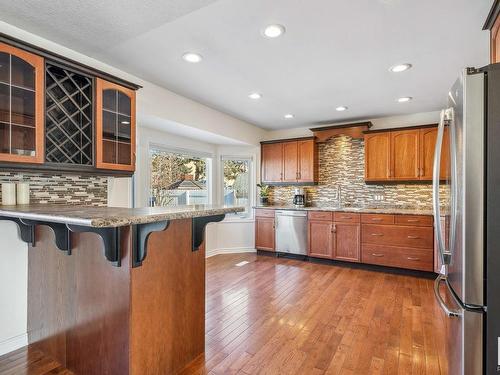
(62, 188)
(342, 170)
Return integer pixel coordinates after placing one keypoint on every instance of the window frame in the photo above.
(209, 158)
(247, 215)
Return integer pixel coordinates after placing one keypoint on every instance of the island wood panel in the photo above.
(78, 305)
(405, 154)
(272, 162)
(168, 303)
(346, 242)
(320, 235)
(377, 156)
(307, 161)
(290, 162)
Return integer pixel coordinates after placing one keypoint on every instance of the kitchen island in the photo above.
(116, 290)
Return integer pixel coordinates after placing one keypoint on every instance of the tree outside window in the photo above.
(236, 182)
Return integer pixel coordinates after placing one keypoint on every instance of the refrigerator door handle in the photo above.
(435, 188)
(449, 312)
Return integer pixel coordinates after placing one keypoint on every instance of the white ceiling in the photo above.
(333, 52)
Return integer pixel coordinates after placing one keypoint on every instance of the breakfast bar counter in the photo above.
(116, 290)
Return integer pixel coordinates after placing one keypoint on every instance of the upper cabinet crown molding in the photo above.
(21, 106)
(492, 23)
(355, 130)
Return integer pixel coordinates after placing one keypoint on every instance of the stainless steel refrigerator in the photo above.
(467, 221)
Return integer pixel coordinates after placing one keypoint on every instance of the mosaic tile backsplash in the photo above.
(341, 181)
(62, 188)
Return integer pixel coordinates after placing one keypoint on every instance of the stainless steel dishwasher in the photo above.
(291, 231)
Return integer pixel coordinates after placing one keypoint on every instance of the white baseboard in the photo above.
(229, 250)
(13, 343)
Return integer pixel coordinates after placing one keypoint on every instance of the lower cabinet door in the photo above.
(264, 233)
(320, 239)
(347, 242)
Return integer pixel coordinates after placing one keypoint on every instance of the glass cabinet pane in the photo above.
(4, 103)
(23, 140)
(4, 138)
(108, 125)
(22, 106)
(109, 100)
(22, 73)
(109, 151)
(124, 128)
(123, 104)
(4, 67)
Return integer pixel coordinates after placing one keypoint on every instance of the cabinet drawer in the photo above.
(346, 217)
(402, 257)
(320, 215)
(398, 235)
(417, 220)
(259, 212)
(377, 219)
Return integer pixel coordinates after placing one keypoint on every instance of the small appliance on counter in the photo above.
(299, 197)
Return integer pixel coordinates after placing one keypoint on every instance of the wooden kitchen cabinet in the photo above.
(320, 234)
(21, 106)
(377, 156)
(428, 139)
(405, 151)
(264, 229)
(272, 162)
(404, 155)
(115, 126)
(346, 242)
(289, 161)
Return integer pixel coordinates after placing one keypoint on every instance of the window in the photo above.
(236, 182)
(178, 178)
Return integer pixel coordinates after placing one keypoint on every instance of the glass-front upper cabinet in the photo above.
(115, 106)
(21, 106)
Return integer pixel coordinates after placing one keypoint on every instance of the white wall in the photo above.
(13, 289)
(422, 118)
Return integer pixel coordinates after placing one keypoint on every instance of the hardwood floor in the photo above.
(281, 316)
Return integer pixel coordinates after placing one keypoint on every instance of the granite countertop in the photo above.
(395, 210)
(110, 216)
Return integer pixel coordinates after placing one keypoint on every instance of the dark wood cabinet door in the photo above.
(21, 106)
(347, 242)
(115, 126)
(320, 239)
(272, 162)
(405, 154)
(290, 162)
(307, 163)
(377, 156)
(264, 233)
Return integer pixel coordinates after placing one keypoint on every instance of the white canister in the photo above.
(8, 193)
(23, 193)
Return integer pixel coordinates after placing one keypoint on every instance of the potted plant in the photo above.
(264, 194)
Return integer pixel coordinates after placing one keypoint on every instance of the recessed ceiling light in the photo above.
(274, 31)
(404, 99)
(255, 95)
(400, 68)
(289, 116)
(192, 57)
(341, 108)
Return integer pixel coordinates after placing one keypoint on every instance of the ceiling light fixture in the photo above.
(404, 99)
(289, 116)
(255, 95)
(274, 31)
(126, 122)
(400, 68)
(192, 57)
(341, 108)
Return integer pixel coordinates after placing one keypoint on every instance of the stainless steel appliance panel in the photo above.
(465, 271)
(291, 232)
